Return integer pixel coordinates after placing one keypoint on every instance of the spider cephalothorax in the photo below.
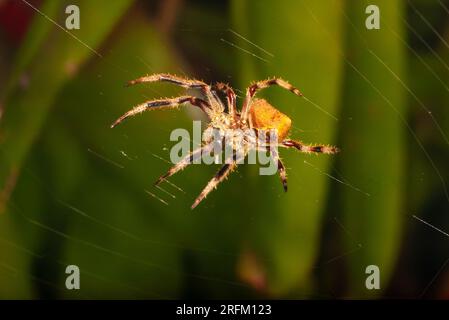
(256, 114)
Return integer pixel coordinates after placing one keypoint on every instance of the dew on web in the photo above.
(124, 154)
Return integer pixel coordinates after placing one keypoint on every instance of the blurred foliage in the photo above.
(73, 191)
(312, 62)
(374, 215)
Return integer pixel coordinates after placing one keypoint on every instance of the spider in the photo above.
(255, 114)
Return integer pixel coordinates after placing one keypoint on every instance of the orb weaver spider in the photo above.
(255, 114)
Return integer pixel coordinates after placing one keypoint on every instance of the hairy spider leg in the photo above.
(226, 169)
(309, 148)
(164, 103)
(213, 183)
(259, 85)
(230, 96)
(282, 174)
(213, 106)
(281, 168)
(187, 160)
(183, 82)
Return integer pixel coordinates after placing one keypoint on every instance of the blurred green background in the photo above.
(75, 192)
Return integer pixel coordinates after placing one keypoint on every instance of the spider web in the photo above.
(171, 192)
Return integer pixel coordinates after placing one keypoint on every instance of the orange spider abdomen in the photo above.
(265, 117)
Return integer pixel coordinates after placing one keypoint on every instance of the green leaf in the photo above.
(39, 29)
(122, 239)
(14, 262)
(57, 61)
(305, 39)
(49, 58)
(373, 163)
